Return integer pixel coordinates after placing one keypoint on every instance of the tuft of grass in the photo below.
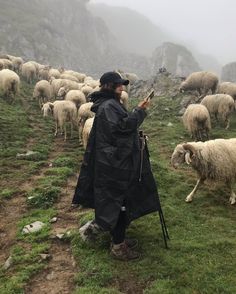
(43, 197)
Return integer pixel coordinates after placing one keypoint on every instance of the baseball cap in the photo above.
(113, 77)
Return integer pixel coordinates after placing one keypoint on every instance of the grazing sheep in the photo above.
(16, 62)
(7, 64)
(214, 160)
(202, 81)
(87, 90)
(42, 92)
(28, 71)
(124, 98)
(63, 111)
(69, 77)
(84, 113)
(76, 74)
(43, 73)
(9, 82)
(58, 83)
(77, 97)
(53, 72)
(68, 85)
(227, 88)
(220, 104)
(86, 131)
(196, 120)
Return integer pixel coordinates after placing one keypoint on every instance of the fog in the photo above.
(207, 25)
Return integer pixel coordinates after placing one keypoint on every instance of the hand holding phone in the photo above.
(150, 95)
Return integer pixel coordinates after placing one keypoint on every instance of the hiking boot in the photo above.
(131, 243)
(123, 252)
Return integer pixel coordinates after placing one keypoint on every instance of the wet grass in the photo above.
(202, 250)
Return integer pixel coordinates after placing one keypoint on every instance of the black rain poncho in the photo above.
(110, 173)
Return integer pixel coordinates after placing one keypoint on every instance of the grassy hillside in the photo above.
(202, 253)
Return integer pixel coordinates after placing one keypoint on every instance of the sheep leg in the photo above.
(189, 198)
(232, 199)
(65, 134)
(56, 131)
(227, 121)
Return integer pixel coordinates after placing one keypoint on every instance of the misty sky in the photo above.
(209, 25)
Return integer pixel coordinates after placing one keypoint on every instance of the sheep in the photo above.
(7, 64)
(77, 97)
(58, 83)
(42, 92)
(214, 160)
(201, 81)
(54, 73)
(124, 99)
(1, 64)
(16, 62)
(43, 73)
(69, 85)
(69, 77)
(63, 111)
(227, 88)
(9, 82)
(86, 131)
(87, 90)
(76, 74)
(28, 71)
(196, 120)
(220, 104)
(84, 113)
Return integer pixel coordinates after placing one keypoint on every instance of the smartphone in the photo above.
(150, 95)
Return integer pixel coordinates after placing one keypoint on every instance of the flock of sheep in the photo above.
(64, 95)
(59, 92)
(212, 159)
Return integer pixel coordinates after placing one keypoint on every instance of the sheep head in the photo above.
(182, 153)
(47, 108)
(62, 92)
(182, 87)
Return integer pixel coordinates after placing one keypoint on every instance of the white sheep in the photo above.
(87, 90)
(63, 111)
(84, 113)
(227, 88)
(196, 120)
(16, 62)
(7, 64)
(53, 72)
(221, 105)
(214, 160)
(68, 84)
(79, 76)
(69, 77)
(124, 98)
(201, 81)
(86, 131)
(42, 92)
(28, 71)
(77, 97)
(9, 82)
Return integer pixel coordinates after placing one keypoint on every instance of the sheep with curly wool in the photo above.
(63, 112)
(77, 97)
(9, 83)
(86, 131)
(42, 92)
(220, 105)
(214, 160)
(227, 88)
(196, 120)
(202, 81)
(28, 71)
(84, 113)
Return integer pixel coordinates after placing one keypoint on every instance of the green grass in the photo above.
(202, 250)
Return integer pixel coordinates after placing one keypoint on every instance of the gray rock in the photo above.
(8, 263)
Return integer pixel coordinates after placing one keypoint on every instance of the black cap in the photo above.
(112, 77)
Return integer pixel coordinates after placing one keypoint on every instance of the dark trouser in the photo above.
(118, 233)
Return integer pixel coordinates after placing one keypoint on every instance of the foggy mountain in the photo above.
(74, 34)
(134, 32)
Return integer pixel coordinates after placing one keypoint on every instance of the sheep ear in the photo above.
(187, 158)
(190, 148)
